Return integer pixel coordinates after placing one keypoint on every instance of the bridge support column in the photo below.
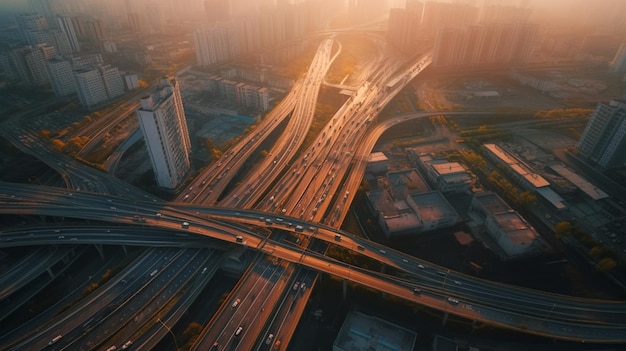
(49, 270)
(100, 251)
(444, 319)
(125, 251)
(344, 285)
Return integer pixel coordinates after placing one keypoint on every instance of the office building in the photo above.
(603, 141)
(511, 233)
(164, 128)
(61, 76)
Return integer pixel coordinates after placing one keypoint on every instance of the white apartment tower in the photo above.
(165, 133)
(113, 82)
(89, 86)
(61, 76)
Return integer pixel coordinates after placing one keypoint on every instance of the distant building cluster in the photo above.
(604, 139)
(241, 93)
(49, 58)
(230, 33)
(464, 35)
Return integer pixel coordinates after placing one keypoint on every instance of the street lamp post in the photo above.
(171, 332)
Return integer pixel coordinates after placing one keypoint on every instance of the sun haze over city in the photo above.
(312, 175)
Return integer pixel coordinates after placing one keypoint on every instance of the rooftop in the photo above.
(377, 157)
(364, 332)
(432, 206)
(591, 190)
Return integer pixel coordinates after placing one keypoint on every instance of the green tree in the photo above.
(606, 264)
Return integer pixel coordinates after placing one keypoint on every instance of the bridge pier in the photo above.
(445, 318)
(100, 251)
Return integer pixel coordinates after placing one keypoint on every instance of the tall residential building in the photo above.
(165, 133)
(27, 23)
(494, 43)
(29, 63)
(214, 44)
(619, 61)
(90, 87)
(603, 141)
(67, 27)
(113, 81)
(61, 76)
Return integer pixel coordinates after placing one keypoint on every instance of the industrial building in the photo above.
(511, 233)
(364, 332)
(448, 177)
(377, 163)
(524, 175)
(414, 214)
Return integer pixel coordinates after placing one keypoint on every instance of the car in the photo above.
(417, 291)
(269, 339)
(302, 286)
(127, 344)
(420, 266)
(296, 285)
(236, 303)
(457, 282)
(112, 348)
(238, 331)
(361, 248)
(382, 251)
(61, 237)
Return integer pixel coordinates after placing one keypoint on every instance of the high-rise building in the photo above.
(90, 87)
(403, 27)
(494, 43)
(603, 141)
(618, 64)
(214, 44)
(113, 82)
(67, 27)
(61, 76)
(164, 128)
(95, 30)
(29, 63)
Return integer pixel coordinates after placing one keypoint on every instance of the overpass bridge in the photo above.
(498, 304)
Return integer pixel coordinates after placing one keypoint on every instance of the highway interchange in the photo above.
(308, 201)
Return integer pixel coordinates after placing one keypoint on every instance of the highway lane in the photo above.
(373, 250)
(374, 279)
(89, 309)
